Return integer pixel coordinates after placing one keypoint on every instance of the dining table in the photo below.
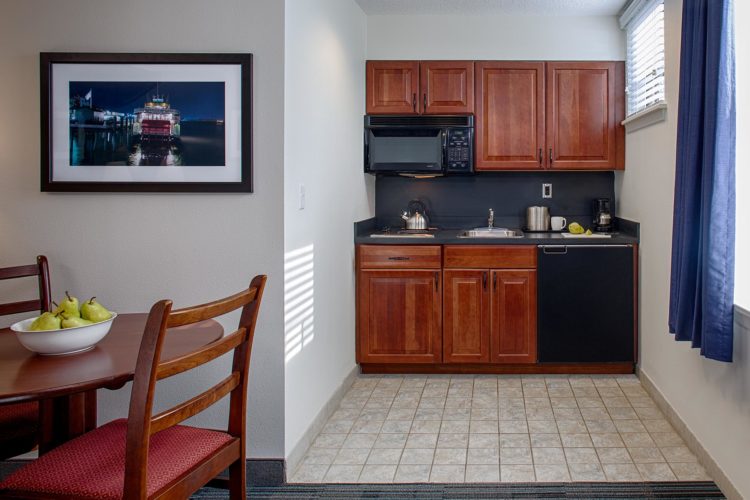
(66, 385)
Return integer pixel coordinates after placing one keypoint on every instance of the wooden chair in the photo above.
(150, 456)
(19, 423)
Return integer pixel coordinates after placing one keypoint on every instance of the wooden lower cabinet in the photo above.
(466, 317)
(513, 316)
(489, 316)
(399, 316)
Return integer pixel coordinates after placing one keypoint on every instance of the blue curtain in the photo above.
(702, 287)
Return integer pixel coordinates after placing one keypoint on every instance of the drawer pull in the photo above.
(399, 258)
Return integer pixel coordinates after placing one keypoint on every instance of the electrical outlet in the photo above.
(547, 190)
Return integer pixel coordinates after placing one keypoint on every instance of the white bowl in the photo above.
(64, 341)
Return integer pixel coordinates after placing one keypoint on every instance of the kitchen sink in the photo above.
(491, 232)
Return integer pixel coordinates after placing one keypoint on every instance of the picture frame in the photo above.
(146, 122)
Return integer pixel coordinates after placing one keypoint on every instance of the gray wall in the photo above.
(133, 249)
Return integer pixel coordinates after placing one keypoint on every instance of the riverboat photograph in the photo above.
(147, 123)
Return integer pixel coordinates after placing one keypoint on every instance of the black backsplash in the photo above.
(457, 202)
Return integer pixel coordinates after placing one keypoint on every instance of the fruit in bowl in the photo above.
(67, 329)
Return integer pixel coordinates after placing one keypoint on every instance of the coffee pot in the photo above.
(602, 215)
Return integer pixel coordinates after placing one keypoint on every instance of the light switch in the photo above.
(301, 205)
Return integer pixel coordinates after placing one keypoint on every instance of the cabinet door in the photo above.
(392, 87)
(447, 87)
(581, 126)
(399, 317)
(466, 317)
(510, 115)
(513, 316)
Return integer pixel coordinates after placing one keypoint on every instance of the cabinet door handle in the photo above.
(399, 258)
(437, 279)
(484, 280)
(424, 103)
(550, 157)
(541, 159)
(414, 101)
(494, 281)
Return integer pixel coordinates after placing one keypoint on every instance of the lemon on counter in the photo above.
(575, 228)
(588, 232)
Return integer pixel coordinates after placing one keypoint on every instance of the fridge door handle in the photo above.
(555, 249)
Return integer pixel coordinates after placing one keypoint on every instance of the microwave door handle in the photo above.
(445, 148)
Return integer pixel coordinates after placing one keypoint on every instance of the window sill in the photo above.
(742, 317)
(646, 117)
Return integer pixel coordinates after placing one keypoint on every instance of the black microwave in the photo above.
(419, 145)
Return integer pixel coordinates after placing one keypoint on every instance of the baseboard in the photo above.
(265, 471)
(298, 452)
(692, 442)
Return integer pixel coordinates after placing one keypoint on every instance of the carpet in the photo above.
(620, 491)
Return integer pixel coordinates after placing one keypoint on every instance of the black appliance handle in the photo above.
(554, 249)
(563, 249)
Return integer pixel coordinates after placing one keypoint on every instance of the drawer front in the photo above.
(490, 256)
(399, 256)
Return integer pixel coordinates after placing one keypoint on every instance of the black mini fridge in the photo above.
(586, 303)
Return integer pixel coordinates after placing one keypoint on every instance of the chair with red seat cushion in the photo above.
(19, 423)
(151, 456)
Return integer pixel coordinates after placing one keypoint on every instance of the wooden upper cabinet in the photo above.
(466, 316)
(513, 316)
(447, 87)
(393, 87)
(414, 87)
(399, 316)
(509, 115)
(582, 112)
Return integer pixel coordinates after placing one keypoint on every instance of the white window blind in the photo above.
(643, 22)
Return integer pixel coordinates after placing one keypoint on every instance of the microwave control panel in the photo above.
(458, 150)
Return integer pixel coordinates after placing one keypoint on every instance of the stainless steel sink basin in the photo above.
(491, 232)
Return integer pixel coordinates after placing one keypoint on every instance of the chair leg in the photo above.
(237, 481)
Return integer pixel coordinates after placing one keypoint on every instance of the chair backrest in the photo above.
(149, 369)
(40, 304)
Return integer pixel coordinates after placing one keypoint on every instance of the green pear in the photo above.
(94, 311)
(69, 306)
(47, 321)
(74, 321)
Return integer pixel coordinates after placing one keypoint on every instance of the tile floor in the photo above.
(465, 428)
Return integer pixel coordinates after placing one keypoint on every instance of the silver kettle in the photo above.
(416, 216)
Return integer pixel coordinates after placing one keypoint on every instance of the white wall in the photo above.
(324, 105)
(133, 249)
(713, 398)
(512, 37)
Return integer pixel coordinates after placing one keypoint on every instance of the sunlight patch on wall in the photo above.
(299, 291)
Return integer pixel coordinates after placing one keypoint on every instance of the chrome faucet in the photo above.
(491, 219)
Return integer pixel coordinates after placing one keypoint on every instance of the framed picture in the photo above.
(146, 122)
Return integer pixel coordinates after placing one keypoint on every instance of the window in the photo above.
(643, 22)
